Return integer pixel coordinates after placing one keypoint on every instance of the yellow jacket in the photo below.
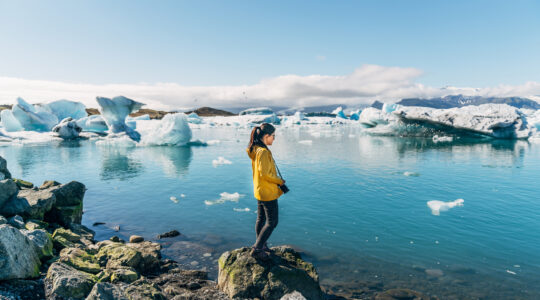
(265, 179)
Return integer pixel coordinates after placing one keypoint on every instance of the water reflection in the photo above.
(118, 163)
(173, 160)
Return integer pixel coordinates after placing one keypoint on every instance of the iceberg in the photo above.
(493, 120)
(9, 122)
(437, 206)
(257, 111)
(132, 121)
(173, 129)
(114, 111)
(94, 123)
(33, 118)
(355, 115)
(194, 118)
(372, 117)
(65, 109)
(67, 129)
(388, 108)
(339, 113)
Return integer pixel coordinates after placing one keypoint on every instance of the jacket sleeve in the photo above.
(265, 164)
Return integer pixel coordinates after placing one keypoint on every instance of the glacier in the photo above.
(114, 111)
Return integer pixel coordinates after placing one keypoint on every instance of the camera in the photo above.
(283, 188)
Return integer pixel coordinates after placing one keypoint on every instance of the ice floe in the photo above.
(221, 161)
(437, 206)
(225, 197)
(242, 209)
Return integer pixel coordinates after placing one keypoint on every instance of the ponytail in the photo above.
(257, 134)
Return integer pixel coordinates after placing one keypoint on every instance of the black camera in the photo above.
(284, 188)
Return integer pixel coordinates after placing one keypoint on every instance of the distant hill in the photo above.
(461, 100)
(210, 112)
(377, 104)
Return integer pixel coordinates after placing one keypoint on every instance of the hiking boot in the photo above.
(259, 254)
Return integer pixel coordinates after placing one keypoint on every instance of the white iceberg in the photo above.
(339, 113)
(114, 111)
(65, 109)
(221, 161)
(173, 130)
(257, 111)
(132, 121)
(388, 108)
(32, 118)
(67, 129)
(225, 197)
(94, 123)
(372, 117)
(194, 118)
(9, 122)
(437, 206)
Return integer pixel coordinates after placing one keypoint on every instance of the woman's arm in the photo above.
(265, 165)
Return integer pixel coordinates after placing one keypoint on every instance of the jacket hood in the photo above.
(253, 154)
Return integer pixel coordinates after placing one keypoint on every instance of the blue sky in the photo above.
(232, 43)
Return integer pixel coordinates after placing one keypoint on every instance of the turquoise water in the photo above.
(351, 208)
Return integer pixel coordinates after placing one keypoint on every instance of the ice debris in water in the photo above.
(221, 161)
(194, 118)
(225, 197)
(510, 272)
(117, 140)
(213, 142)
(172, 130)
(174, 199)
(114, 111)
(437, 139)
(437, 206)
(242, 209)
(67, 129)
(413, 174)
(306, 142)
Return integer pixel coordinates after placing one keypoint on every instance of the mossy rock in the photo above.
(65, 238)
(66, 282)
(23, 184)
(242, 276)
(36, 224)
(49, 183)
(80, 260)
(117, 255)
(126, 274)
(144, 291)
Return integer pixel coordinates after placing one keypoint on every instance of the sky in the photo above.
(176, 54)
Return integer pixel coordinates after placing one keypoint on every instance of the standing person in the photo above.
(265, 186)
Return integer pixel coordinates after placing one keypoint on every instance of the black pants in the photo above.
(267, 220)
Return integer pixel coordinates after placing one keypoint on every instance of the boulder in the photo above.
(66, 282)
(41, 240)
(80, 260)
(293, 296)
(65, 238)
(106, 291)
(3, 220)
(124, 274)
(23, 184)
(18, 258)
(150, 255)
(29, 203)
(143, 291)
(65, 215)
(4, 172)
(242, 276)
(68, 208)
(69, 194)
(143, 257)
(16, 221)
(136, 239)
(33, 224)
(48, 184)
(400, 294)
(8, 188)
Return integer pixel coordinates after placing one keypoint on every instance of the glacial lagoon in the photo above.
(358, 206)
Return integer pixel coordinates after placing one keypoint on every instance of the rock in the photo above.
(8, 188)
(3, 220)
(22, 289)
(98, 223)
(242, 276)
(150, 254)
(169, 234)
(80, 260)
(22, 184)
(402, 294)
(293, 296)
(48, 184)
(68, 208)
(106, 291)
(65, 238)
(65, 215)
(35, 224)
(124, 274)
(69, 194)
(29, 203)
(66, 282)
(83, 231)
(188, 284)
(136, 239)
(115, 239)
(41, 241)
(4, 172)
(18, 258)
(17, 222)
(143, 291)
(144, 256)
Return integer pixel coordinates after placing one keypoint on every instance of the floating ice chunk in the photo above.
(66, 109)
(132, 121)
(9, 122)
(306, 142)
(67, 129)
(388, 108)
(510, 272)
(213, 142)
(413, 174)
(31, 118)
(355, 115)
(174, 199)
(257, 111)
(437, 206)
(221, 161)
(194, 118)
(242, 209)
(339, 113)
(173, 130)
(372, 117)
(114, 111)
(225, 197)
(438, 139)
(94, 123)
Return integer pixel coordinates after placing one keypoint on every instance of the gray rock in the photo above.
(41, 240)
(8, 188)
(3, 220)
(136, 239)
(293, 296)
(65, 282)
(242, 276)
(18, 258)
(17, 222)
(106, 291)
(29, 203)
(69, 194)
(48, 184)
(4, 172)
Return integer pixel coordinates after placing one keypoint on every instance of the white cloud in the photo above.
(363, 86)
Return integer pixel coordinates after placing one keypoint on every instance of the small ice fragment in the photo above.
(234, 197)
(437, 206)
(413, 174)
(517, 266)
(510, 272)
(242, 209)
(306, 142)
(174, 199)
(411, 242)
(213, 142)
(437, 138)
(182, 195)
(436, 242)
(221, 161)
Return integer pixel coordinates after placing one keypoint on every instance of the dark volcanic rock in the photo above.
(8, 189)
(29, 203)
(169, 234)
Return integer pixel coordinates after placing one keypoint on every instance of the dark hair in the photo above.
(258, 133)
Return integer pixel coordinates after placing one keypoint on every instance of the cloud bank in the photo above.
(366, 84)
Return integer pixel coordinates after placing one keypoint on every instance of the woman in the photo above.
(265, 186)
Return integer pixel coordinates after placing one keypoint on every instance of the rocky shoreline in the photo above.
(45, 253)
